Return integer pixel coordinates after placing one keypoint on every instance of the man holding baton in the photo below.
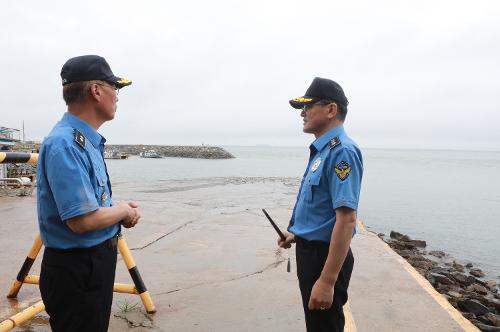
(324, 217)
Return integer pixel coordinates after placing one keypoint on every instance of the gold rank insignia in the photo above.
(302, 99)
(316, 165)
(123, 81)
(343, 169)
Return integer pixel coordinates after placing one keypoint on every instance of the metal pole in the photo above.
(117, 287)
(25, 269)
(136, 276)
(19, 181)
(18, 158)
(22, 317)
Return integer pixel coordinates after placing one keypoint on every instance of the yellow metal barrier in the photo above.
(22, 317)
(138, 288)
(18, 158)
(25, 269)
(136, 277)
(8, 184)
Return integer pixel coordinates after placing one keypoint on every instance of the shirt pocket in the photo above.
(101, 193)
(312, 184)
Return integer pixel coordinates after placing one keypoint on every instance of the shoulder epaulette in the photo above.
(79, 138)
(334, 142)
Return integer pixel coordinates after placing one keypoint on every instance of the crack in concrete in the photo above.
(135, 318)
(164, 235)
(268, 267)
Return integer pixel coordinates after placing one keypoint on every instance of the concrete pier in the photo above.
(209, 259)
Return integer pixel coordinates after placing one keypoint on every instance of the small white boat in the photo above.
(115, 155)
(150, 154)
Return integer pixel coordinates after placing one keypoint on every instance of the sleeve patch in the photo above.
(342, 170)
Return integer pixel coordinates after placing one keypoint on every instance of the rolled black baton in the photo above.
(280, 233)
(282, 236)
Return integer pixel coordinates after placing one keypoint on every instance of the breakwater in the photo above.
(179, 151)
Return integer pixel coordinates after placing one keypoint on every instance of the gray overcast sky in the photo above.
(418, 74)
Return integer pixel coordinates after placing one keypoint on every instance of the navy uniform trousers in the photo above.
(311, 257)
(77, 287)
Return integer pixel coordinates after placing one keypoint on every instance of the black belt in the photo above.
(310, 243)
(109, 243)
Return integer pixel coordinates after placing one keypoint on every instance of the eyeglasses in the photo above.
(306, 108)
(114, 87)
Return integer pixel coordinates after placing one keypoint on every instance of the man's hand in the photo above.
(133, 214)
(126, 213)
(290, 238)
(321, 295)
(322, 291)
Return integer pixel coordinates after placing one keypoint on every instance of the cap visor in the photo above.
(120, 82)
(299, 102)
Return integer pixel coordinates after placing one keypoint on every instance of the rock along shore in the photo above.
(462, 285)
(180, 151)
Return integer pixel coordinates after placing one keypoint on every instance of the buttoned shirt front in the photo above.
(332, 180)
(72, 181)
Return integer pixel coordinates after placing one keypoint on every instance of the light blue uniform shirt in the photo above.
(332, 180)
(72, 180)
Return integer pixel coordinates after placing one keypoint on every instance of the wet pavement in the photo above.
(209, 259)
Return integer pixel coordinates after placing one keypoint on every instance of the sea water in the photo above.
(451, 199)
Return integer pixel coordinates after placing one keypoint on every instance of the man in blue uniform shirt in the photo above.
(78, 221)
(324, 217)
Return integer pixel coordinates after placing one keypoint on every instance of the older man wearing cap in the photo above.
(324, 217)
(78, 221)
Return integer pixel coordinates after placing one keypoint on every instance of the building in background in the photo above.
(8, 138)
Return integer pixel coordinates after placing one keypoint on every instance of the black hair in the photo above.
(75, 92)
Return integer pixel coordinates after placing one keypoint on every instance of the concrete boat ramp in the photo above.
(209, 259)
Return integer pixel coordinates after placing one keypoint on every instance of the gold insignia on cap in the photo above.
(302, 99)
(123, 81)
(343, 169)
(316, 165)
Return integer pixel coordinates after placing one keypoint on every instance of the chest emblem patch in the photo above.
(316, 164)
(343, 169)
